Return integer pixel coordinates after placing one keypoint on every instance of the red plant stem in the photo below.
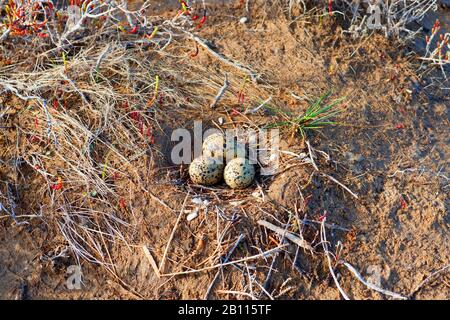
(57, 186)
(194, 54)
(202, 20)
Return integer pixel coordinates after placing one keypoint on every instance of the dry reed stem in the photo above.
(220, 265)
(370, 285)
(323, 239)
(163, 260)
(230, 253)
(151, 260)
(284, 233)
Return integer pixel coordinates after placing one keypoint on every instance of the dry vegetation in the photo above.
(88, 107)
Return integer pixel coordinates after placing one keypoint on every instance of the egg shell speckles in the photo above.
(206, 171)
(215, 146)
(239, 173)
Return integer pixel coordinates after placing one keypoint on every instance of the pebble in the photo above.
(243, 20)
(191, 216)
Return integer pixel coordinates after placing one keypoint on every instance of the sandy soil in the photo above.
(391, 148)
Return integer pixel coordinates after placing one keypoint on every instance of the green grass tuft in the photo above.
(317, 116)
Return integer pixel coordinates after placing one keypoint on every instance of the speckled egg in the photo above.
(206, 170)
(239, 173)
(215, 146)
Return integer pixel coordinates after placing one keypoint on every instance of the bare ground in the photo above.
(391, 149)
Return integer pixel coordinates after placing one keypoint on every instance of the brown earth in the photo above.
(391, 149)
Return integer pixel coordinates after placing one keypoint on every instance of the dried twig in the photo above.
(163, 260)
(311, 156)
(221, 92)
(427, 279)
(225, 59)
(284, 233)
(220, 265)
(341, 184)
(259, 107)
(230, 253)
(151, 260)
(370, 285)
(324, 242)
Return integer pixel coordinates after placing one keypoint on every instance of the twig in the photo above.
(221, 92)
(428, 279)
(324, 242)
(370, 285)
(211, 285)
(328, 225)
(264, 290)
(269, 274)
(260, 106)
(311, 156)
(284, 233)
(151, 260)
(154, 197)
(223, 58)
(220, 265)
(5, 35)
(342, 185)
(100, 59)
(163, 260)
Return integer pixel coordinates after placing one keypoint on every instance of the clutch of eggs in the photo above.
(217, 146)
(208, 169)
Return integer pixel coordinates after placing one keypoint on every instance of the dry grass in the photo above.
(93, 102)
